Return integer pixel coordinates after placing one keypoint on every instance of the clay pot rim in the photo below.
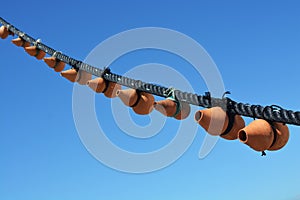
(242, 135)
(198, 115)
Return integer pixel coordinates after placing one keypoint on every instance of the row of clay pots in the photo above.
(259, 134)
(141, 102)
(31, 50)
(52, 62)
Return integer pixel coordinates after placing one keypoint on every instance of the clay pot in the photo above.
(169, 108)
(185, 110)
(128, 97)
(259, 135)
(238, 124)
(215, 121)
(82, 77)
(111, 90)
(3, 32)
(70, 74)
(141, 105)
(54, 63)
(282, 136)
(20, 42)
(34, 51)
(145, 104)
(97, 84)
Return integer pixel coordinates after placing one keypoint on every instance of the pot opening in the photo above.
(198, 115)
(242, 136)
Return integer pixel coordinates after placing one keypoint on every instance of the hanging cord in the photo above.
(138, 98)
(106, 70)
(247, 110)
(230, 114)
(170, 93)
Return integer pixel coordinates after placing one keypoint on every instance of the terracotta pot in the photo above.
(97, 84)
(20, 42)
(50, 61)
(112, 88)
(145, 104)
(3, 32)
(70, 74)
(142, 105)
(215, 122)
(128, 97)
(169, 108)
(282, 136)
(54, 63)
(238, 124)
(83, 77)
(34, 51)
(185, 110)
(258, 135)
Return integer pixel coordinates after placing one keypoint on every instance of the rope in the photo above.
(255, 111)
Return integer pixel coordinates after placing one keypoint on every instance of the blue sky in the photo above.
(255, 45)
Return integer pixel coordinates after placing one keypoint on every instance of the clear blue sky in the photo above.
(255, 45)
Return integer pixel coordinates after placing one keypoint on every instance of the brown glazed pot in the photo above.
(215, 121)
(282, 136)
(130, 97)
(258, 135)
(169, 108)
(20, 42)
(97, 84)
(54, 63)
(3, 32)
(34, 51)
